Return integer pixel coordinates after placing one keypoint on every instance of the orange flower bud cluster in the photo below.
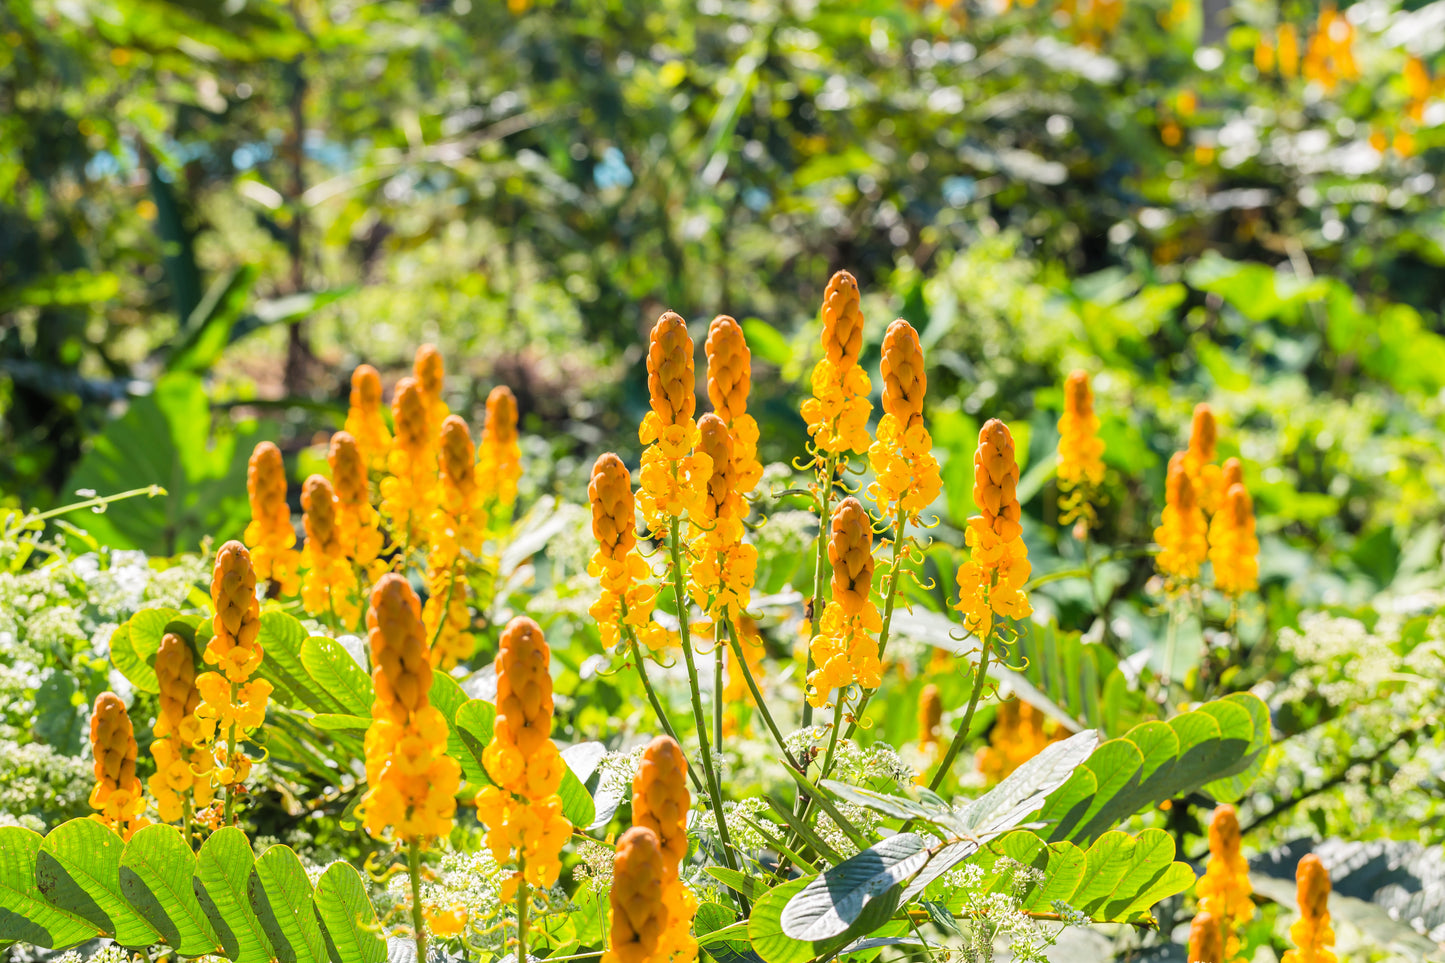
(409, 489)
(180, 747)
(412, 781)
(639, 913)
(1181, 532)
(1330, 56)
(729, 380)
(722, 574)
(1312, 933)
(363, 419)
(457, 526)
(430, 373)
(1224, 889)
(446, 617)
(1019, 733)
(523, 812)
(627, 594)
(991, 582)
(357, 523)
(674, 476)
(232, 703)
(837, 413)
(271, 537)
(1204, 475)
(845, 650)
(907, 478)
(1081, 451)
(117, 794)
(1206, 939)
(735, 691)
(930, 717)
(329, 584)
(1233, 546)
(660, 802)
(501, 455)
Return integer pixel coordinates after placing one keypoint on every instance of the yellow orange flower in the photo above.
(930, 717)
(906, 473)
(1204, 475)
(1081, 452)
(627, 594)
(1181, 532)
(180, 747)
(1330, 56)
(117, 795)
(1019, 733)
(837, 413)
(270, 535)
(429, 370)
(412, 782)
(991, 582)
(363, 419)
(845, 650)
(674, 476)
(660, 802)
(457, 526)
(330, 582)
(729, 380)
(722, 574)
(1312, 933)
(1287, 47)
(1233, 547)
(639, 913)
(522, 812)
(1206, 941)
(409, 489)
(357, 523)
(1224, 889)
(500, 456)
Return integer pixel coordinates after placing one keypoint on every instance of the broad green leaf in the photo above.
(280, 893)
(448, 698)
(765, 928)
(223, 872)
(24, 915)
(1157, 761)
(207, 331)
(1027, 787)
(155, 875)
(348, 921)
(339, 722)
(832, 902)
(336, 673)
(78, 870)
(282, 638)
(577, 803)
(134, 645)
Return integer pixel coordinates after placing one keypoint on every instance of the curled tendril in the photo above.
(937, 521)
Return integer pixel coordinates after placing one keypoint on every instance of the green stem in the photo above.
(418, 919)
(742, 665)
(657, 708)
(961, 736)
(883, 634)
(825, 499)
(699, 717)
(230, 808)
(718, 650)
(186, 820)
(524, 899)
(150, 491)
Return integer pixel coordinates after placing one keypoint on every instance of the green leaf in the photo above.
(281, 895)
(340, 722)
(447, 696)
(766, 342)
(333, 669)
(282, 638)
(348, 921)
(78, 871)
(24, 915)
(832, 902)
(474, 721)
(577, 803)
(155, 876)
(765, 928)
(1156, 761)
(223, 872)
(208, 329)
(134, 652)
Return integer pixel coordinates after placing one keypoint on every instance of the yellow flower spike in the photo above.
(522, 812)
(1182, 530)
(233, 704)
(845, 650)
(270, 535)
(430, 373)
(117, 794)
(622, 571)
(1224, 889)
(1205, 940)
(363, 419)
(329, 584)
(1081, 452)
(1233, 547)
(1204, 475)
(660, 802)
(501, 455)
(906, 472)
(1312, 933)
(837, 413)
(412, 782)
(930, 717)
(408, 490)
(1287, 47)
(1231, 474)
(456, 527)
(183, 758)
(991, 582)
(639, 914)
(356, 520)
(673, 475)
(729, 381)
(1019, 733)
(722, 574)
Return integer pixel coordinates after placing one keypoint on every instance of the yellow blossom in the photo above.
(270, 535)
(329, 585)
(1233, 547)
(639, 913)
(408, 491)
(1081, 451)
(357, 522)
(500, 464)
(906, 473)
(180, 747)
(837, 413)
(117, 795)
(363, 419)
(991, 582)
(627, 594)
(1224, 889)
(1181, 532)
(660, 802)
(1312, 933)
(673, 475)
(845, 650)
